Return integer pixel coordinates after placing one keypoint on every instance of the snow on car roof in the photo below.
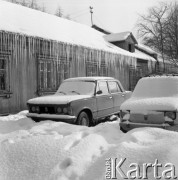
(89, 78)
(158, 86)
(159, 93)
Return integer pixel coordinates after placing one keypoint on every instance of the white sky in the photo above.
(112, 15)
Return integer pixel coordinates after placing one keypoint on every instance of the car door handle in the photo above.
(123, 95)
(110, 97)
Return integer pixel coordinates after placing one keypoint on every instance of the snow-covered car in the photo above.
(154, 103)
(81, 100)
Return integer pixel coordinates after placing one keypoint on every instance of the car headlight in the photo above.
(58, 110)
(37, 109)
(65, 110)
(171, 115)
(33, 108)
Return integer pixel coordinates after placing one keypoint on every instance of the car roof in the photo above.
(161, 74)
(90, 78)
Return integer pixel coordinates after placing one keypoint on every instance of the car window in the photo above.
(102, 85)
(77, 87)
(114, 87)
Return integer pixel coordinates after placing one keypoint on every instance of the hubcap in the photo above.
(84, 122)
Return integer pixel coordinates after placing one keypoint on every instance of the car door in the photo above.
(104, 100)
(118, 95)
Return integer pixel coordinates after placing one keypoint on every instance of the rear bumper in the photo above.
(56, 117)
(127, 125)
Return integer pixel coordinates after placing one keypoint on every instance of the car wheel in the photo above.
(123, 130)
(83, 119)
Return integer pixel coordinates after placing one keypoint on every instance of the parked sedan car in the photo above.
(81, 100)
(154, 103)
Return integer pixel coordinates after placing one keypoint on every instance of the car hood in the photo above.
(151, 104)
(57, 99)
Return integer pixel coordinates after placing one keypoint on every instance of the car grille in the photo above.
(47, 110)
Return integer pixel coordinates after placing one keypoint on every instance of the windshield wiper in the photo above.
(75, 92)
(62, 92)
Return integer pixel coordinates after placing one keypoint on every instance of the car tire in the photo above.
(35, 119)
(83, 119)
(123, 130)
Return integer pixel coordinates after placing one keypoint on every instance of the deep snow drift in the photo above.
(59, 151)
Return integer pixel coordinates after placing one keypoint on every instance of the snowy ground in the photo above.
(58, 151)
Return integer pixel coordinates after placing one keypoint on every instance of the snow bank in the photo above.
(59, 151)
(150, 93)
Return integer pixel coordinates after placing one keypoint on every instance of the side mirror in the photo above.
(99, 92)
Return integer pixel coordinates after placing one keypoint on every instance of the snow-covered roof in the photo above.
(119, 36)
(145, 48)
(143, 56)
(101, 29)
(20, 19)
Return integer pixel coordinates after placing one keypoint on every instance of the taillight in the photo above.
(170, 114)
(124, 115)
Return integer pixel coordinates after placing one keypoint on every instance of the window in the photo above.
(46, 75)
(130, 48)
(103, 68)
(91, 65)
(2, 75)
(51, 73)
(114, 87)
(62, 70)
(102, 85)
(91, 68)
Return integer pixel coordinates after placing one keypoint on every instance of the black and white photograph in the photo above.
(88, 89)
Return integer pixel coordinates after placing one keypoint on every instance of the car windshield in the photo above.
(164, 86)
(77, 88)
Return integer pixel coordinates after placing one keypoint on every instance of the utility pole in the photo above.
(91, 11)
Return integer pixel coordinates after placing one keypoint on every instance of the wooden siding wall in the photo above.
(24, 52)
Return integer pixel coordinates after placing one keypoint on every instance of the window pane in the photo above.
(77, 87)
(113, 87)
(42, 75)
(49, 75)
(91, 68)
(103, 87)
(2, 64)
(2, 81)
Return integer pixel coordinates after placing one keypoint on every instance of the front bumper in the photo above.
(127, 125)
(56, 117)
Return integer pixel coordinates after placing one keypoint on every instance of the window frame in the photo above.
(58, 72)
(118, 84)
(6, 91)
(43, 86)
(98, 88)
